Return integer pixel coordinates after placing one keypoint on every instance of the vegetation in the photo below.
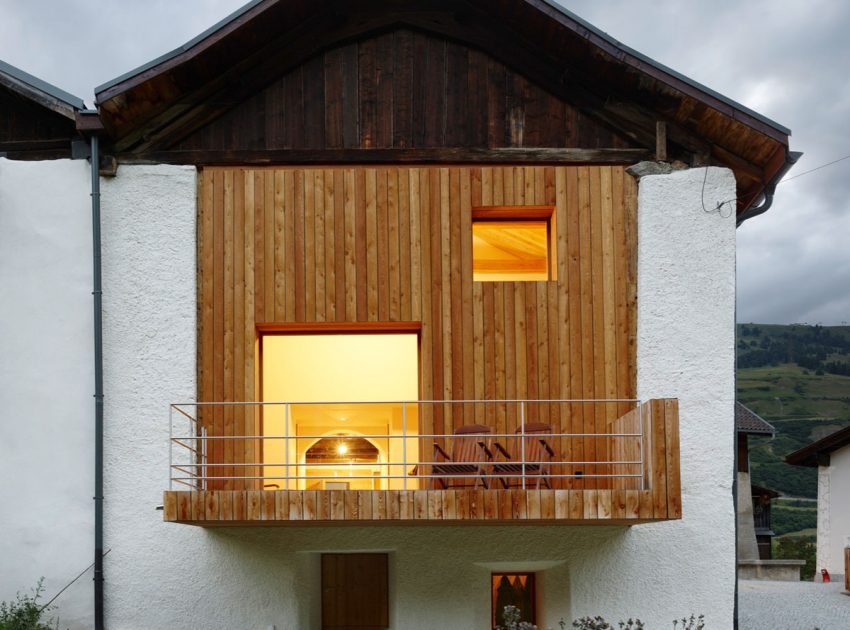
(25, 613)
(797, 548)
(796, 378)
(786, 518)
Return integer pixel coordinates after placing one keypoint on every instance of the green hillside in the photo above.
(797, 378)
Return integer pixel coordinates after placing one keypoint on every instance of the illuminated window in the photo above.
(512, 589)
(513, 243)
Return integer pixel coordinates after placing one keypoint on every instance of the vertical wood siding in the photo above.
(394, 244)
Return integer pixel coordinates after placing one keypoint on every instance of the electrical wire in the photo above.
(786, 179)
(65, 588)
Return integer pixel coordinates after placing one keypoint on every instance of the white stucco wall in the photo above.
(686, 349)
(46, 383)
(176, 576)
(834, 512)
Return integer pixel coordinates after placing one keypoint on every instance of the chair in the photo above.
(469, 456)
(538, 456)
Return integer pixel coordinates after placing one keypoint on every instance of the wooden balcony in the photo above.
(632, 477)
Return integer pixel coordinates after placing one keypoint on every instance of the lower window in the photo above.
(514, 590)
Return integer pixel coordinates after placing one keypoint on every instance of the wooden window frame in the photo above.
(507, 214)
(495, 615)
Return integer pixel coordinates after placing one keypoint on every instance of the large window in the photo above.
(513, 243)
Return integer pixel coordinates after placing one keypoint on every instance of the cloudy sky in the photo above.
(786, 59)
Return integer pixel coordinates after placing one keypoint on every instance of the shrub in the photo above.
(798, 548)
(25, 613)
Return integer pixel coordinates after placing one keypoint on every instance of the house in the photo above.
(754, 527)
(409, 310)
(831, 456)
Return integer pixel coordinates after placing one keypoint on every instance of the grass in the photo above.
(803, 407)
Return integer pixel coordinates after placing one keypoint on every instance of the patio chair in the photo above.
(538, 456)
(470, 454)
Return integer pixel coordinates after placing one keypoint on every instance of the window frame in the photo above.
(519, 214)
(531, 577)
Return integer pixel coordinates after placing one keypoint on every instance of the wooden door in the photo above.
(354, 591)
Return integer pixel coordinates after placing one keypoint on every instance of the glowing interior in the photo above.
(510, 250)
(336, 371)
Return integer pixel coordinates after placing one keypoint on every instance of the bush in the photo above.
(798, 548)
(25, 613)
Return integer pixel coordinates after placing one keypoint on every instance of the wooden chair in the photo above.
(538, 456)
(469, 457)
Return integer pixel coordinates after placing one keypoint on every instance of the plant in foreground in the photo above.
(25, 613)
(599, 623)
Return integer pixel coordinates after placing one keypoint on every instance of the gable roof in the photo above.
(749, 422)
(817, 453)
(168, 98)
(38, 91)
(37, 119)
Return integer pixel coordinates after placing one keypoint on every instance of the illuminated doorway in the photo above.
(342, 422)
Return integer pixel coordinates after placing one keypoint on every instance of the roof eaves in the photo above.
(181, 49)
(20, 79)
(660, 66)
(808, 455)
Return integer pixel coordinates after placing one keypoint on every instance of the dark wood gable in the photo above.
(27, 129)
(400, 90)
(428, 81)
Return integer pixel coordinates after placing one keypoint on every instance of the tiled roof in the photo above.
(747, 421)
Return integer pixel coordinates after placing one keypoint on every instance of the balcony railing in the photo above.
(621, 450)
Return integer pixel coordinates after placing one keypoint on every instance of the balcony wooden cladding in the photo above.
(394, 244)
(624, 504)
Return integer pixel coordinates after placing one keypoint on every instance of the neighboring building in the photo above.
(754, 527)
(314, 211)
(46, 371)
(831, 456)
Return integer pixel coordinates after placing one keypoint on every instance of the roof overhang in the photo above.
(620, 85)
(817, 453)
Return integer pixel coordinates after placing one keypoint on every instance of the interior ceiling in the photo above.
(509, 245)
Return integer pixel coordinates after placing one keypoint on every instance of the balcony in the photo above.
(428, 462)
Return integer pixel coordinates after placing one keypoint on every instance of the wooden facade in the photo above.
(387, 245)
(401, 90)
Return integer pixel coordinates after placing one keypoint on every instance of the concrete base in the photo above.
(780, 570)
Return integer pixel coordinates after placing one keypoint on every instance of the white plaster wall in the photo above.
(176, 576)
(685, 349)
(837, 534)
(823, 533)
(46, 383)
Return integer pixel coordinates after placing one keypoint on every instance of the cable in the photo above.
(788, 179)
(65, 588)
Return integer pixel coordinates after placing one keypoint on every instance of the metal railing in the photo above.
(381, 445)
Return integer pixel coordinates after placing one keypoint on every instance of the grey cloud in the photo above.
(788, 60)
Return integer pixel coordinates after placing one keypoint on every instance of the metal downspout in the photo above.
(770, 189)
(97, 293)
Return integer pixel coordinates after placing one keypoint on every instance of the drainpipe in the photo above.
(770, 190)
(97, 292)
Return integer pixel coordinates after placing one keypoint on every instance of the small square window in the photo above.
(513, 243)
(512, 589)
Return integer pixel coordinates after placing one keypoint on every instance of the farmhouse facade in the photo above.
(409, 311)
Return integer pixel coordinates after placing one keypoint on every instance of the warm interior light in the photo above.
(510, 250)
(341, 448)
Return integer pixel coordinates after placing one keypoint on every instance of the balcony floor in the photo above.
(357, 507)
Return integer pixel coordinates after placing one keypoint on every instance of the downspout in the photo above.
(97, 292)
(770, 189)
